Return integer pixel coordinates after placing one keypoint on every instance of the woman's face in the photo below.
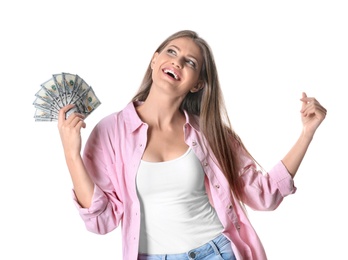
(177, 67)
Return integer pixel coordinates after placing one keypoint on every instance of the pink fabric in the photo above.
(112, 155)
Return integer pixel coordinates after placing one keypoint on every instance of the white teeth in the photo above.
(171, 72)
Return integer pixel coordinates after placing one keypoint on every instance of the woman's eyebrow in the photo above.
(172, 45)
(176, 47)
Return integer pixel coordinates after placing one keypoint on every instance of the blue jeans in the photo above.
(216, 249)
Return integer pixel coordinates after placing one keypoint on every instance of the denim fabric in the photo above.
(217, 249)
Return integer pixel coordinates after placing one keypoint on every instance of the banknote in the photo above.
(45, 115)
(60, 90)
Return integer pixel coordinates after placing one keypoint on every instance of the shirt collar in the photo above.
(192, 120)
(131, 116)
(133, 120)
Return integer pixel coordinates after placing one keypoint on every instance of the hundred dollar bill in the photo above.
(90, 101)
(44, 115)
(81, 89)
(43, 95)
(70, 84)
(59, 82)
(52, 90)
(47, 106)
(86, 104)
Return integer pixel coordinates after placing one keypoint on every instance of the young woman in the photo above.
(170, 167)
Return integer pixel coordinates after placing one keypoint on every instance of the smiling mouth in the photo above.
(171, 73)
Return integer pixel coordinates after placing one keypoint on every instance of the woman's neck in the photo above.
(160, 113)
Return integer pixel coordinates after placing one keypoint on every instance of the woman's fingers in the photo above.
(62, 113)
(73, 119)
(312, 113)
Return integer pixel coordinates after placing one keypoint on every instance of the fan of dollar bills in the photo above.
(60, 90)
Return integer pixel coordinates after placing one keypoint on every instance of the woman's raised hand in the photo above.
(312, 114)
(70, 131)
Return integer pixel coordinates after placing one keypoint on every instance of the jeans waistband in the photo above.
(196, 253)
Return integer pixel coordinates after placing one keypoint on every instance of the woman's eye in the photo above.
(191, 63)
(171, 51)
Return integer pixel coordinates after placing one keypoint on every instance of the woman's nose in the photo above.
(177, 63)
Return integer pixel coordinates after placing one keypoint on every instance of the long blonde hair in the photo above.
(208, 104)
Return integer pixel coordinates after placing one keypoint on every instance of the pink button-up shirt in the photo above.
(112, 155)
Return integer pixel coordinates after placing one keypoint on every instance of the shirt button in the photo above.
(230, 206)
(217, 186)
(192, 255)
(194, 143)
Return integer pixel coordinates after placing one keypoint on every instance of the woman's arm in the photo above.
(70, 134)
(312, 115)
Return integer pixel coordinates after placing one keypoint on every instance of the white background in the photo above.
(267, 53)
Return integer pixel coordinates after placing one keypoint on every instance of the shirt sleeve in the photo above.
(264, 190)
(106, 209)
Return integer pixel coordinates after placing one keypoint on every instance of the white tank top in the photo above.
(176, 215)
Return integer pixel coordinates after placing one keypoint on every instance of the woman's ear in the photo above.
(200, 84)
(154, 59)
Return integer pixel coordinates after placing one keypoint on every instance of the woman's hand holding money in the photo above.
(70, 131)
